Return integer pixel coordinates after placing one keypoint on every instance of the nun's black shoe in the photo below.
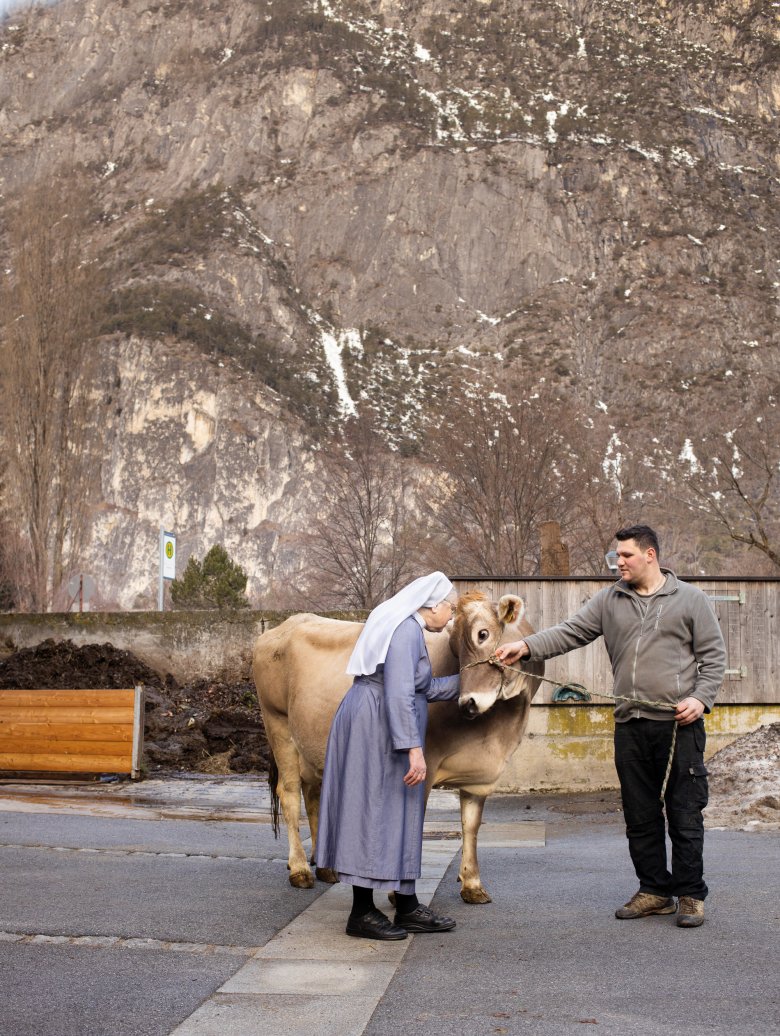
(374, 925)
(423, 919)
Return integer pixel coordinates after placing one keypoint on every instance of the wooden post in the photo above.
(555, 555)
(138, 732)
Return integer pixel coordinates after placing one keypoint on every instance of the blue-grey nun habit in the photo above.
(370, 822)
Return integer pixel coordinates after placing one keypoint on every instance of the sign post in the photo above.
(80, 588)
(167, 564)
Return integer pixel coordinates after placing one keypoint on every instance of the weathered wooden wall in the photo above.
(747, 610)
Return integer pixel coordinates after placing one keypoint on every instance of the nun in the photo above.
(373, 787)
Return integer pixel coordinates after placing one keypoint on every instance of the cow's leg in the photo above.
(471, 890)
(289, 792)
(311, 798)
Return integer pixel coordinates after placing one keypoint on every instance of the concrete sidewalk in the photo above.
(164, 908)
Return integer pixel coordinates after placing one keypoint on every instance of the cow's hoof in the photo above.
(327, 875)
(475, 895)
(302, 880)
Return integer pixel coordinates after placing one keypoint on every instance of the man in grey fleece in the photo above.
(665, 646)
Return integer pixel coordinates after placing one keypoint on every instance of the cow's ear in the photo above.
(511, 609)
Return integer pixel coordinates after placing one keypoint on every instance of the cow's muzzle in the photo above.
(469, 708)
(477, 702)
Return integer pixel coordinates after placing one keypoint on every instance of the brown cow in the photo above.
(299, 671)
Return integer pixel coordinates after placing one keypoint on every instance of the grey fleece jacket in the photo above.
(662, 648)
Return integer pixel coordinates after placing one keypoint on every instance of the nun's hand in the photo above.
(417, 770)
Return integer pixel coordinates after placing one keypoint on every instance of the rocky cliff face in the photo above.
(197, 446)
(352, 203)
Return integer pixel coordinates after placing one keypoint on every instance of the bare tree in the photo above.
(365, 547)
(50, 299)
(9, 559)
(506, 467)
(731, 477)
(610, 491)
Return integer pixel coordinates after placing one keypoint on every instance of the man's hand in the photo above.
(511, 652)
(688, 711)
(417, 769)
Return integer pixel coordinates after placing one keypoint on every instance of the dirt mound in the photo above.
(61, 665)
(745, 782)
(211, 726)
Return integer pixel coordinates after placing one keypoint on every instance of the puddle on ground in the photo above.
(25, 799)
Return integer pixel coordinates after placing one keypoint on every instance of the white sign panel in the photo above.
(169, 555)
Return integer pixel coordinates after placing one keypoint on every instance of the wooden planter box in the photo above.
(72, 731)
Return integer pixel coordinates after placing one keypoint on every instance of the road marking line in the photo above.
(116, 941)
(111, 851)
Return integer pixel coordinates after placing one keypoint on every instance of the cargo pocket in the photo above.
(700, 736)
(697, 788)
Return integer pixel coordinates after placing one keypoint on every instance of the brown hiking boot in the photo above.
(643, 904)
(691, 912)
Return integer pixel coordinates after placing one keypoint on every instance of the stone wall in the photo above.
(187, 644)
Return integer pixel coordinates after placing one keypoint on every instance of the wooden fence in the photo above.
(747, 610)
(90, 731)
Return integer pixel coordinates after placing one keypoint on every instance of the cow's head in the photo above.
(480, 626)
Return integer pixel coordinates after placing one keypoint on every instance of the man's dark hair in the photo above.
(642, 535)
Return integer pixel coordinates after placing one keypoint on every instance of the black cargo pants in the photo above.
(641, 754)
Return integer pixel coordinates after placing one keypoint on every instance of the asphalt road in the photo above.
(131, 924)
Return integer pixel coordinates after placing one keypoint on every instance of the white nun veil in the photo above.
(371, 648)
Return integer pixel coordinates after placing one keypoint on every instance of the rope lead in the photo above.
(664, 706)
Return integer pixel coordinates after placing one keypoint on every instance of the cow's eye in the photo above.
(482, 636)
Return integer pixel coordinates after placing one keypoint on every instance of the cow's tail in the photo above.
(273, 783)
